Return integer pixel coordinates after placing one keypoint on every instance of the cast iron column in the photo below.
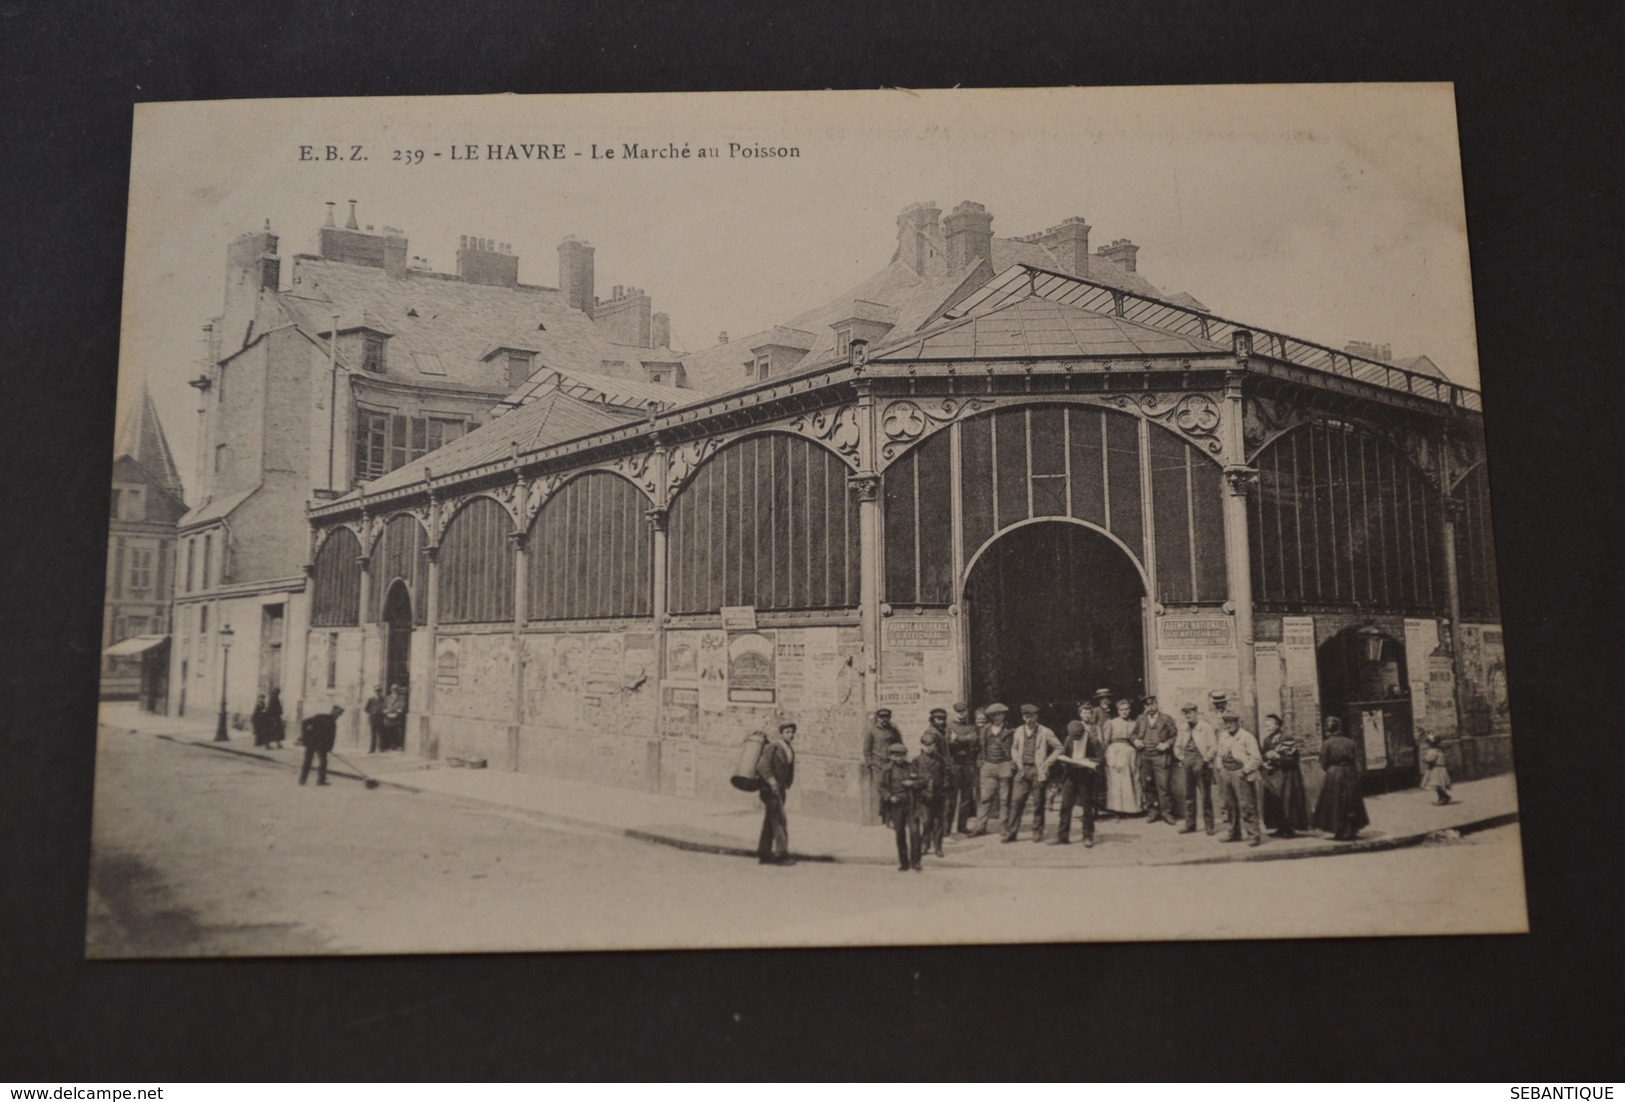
(1239, 479)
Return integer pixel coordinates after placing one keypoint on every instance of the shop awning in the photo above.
(139, 644)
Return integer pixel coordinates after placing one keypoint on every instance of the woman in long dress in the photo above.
(1286, 806)
(273, 718)
(1340, 809)
(257, 723)
(1122, 789)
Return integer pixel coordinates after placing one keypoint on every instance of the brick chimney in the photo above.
(660, 330)
(918, 235)
(576, 277)
(968, 235)
(487, 262)
(1123, 251)
(1069, 242)
(353, 245)
(252, 266)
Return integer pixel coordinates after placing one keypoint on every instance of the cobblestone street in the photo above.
(198, 853)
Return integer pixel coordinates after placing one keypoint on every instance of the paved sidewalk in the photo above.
(731, 827)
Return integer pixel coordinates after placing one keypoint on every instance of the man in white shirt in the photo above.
(1032, 749)
(1196, 749)
(1239, 767)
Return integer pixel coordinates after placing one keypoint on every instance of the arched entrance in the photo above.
(1055, 610)
(397, 618)
(1363, 682)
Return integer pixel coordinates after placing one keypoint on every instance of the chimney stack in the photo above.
(722, 337)
(576, 277)
(350, 225)
(1123, 251)
(968, 235)
(488, 263)
(918, 235)
(660, 331)
(1069, 242)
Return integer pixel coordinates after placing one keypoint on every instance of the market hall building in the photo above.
(1040, 484)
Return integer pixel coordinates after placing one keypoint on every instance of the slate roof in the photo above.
(217, 509)
(1422, 366)
(140, 438)
(594, 387)
(546, 419)
(1036, 327)
(916, 298)
(458, 322)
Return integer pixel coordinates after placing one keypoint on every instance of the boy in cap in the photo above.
(899, 790)
(963, 749)
(933, 770)
(997, 766)
(877, 739)
(1033, 747)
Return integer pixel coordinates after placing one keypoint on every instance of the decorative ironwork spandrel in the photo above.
(905, 421)
(838, 428)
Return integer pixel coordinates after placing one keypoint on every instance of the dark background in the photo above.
(1540, 98)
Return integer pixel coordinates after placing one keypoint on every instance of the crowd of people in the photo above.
(976, 773)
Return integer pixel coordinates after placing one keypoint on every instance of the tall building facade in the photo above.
(329, 373)
(147, 501)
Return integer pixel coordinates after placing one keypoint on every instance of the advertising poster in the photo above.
(823, 667)
(751, 677)
(448, 656)
(1421, 640)
(790, 658)
(1374, 732)
(1495, 677)
(1300, 691)
(682, 657)
(564, 679)
(1440, 698)
(916, 633)
(680, 712)
(713, 670)
(1270, 681)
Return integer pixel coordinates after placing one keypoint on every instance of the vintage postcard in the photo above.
(815, 519)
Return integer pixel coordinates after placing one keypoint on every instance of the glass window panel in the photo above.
(897, 502)
(933, 471)
(976, 493)
(1207, 520)
(1049, 440)
(1088, 479)
(1123, 481)
(1010, 448)
(1170, 500)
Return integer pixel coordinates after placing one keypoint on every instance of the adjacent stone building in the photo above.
(1000, 469)
(147, 500)
(355, 361)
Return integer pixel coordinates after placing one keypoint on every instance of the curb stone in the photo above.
(720, 849)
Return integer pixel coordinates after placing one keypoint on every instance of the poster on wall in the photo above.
(564, 680)
(823, 666)
(1300, 691)
(751, 677)
(1495, 680)
(448, 657)
(713, 671)
(1270, 680)
(790, 660)
(1194, 656)
(1440, 699)
(679, 712)
(682, 657)
(1374, 734)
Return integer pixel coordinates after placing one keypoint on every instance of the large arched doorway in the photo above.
(1055, 611)
(1363, 682)
(397, 618)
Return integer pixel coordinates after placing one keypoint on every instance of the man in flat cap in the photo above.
(1196, 749)
(1154, 735)
(1218, 704)
(899, 787)
(964, 746)
(1032, 749)
(318, 733)
(877, 739)
(776, 769)
(1239, 767)
(997, 768)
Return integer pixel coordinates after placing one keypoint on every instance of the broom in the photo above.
(370, 782)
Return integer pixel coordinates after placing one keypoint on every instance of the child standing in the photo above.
(1435, 775)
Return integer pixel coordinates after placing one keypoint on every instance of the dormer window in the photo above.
(519, 367)
(372, 353)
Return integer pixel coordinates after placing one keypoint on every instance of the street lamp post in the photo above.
(225, 659)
